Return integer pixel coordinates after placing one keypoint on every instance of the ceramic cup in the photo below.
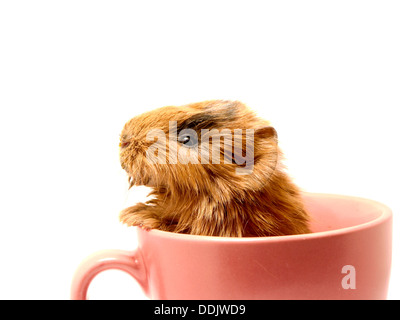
(348, 256)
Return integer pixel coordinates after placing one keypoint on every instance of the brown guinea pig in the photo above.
(215, 169)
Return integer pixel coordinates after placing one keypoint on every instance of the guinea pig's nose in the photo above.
(124, 144)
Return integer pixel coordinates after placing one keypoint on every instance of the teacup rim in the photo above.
(386, 214)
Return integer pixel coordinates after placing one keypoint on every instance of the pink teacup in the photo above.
(348, 256)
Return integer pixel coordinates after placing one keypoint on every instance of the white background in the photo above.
(326, 73)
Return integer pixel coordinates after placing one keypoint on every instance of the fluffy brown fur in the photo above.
(211, 199)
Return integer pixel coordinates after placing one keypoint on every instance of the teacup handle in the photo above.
(128, 261)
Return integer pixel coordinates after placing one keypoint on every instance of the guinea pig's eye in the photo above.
(188, 138)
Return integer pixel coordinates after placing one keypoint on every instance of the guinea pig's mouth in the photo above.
(140, 181)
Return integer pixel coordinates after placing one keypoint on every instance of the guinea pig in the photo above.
(215, 169)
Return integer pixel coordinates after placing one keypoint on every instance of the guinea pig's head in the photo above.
(216, 148)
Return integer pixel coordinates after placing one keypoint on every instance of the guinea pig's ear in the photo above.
(266, 133)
